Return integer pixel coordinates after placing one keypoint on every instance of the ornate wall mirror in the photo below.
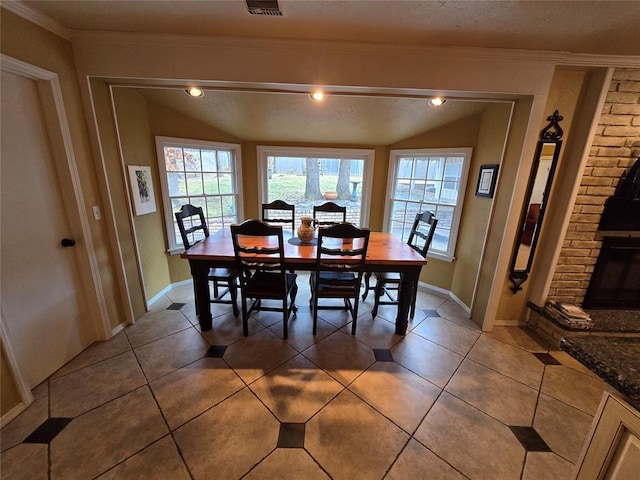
(544, 165)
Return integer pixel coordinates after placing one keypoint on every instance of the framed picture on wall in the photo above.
(487, 181)
(142, 189)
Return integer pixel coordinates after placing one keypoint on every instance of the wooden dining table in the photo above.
(386, 253)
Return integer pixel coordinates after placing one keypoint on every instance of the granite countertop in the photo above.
(615, 359)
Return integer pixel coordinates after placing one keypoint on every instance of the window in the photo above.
(205, 174)
(311, 176)
(428, 180)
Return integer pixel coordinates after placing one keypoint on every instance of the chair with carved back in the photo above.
(340, 258)
(279, 212)
(193, 229)
(330, 214)
(424, 226)
(259, 253)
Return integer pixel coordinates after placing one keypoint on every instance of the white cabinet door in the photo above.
(612, 451)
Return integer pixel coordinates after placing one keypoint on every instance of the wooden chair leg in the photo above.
(378, 292)
(314, 307)
(245, 320)
(354, 315)
(292, 295)
(285, 319)
(233, 290)
(367, 277)
(413, 300)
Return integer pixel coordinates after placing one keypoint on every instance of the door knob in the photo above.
(67, 242)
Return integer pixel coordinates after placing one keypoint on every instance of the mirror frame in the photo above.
(551, 134)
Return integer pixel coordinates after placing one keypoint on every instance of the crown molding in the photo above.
(40, 19)
(564, 58)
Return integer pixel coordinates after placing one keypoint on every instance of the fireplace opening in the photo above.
(615, 283)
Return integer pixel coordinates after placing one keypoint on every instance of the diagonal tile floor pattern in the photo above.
(162, 400)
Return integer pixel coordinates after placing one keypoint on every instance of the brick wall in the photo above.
(616, 146)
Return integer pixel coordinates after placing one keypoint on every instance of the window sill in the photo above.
(175, 251)
(439, 256)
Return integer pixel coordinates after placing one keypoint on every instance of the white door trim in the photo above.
(23, 388)
(62, 148)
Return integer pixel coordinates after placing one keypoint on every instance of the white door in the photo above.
(39, 287)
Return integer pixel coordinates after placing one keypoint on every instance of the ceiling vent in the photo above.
(263, 7)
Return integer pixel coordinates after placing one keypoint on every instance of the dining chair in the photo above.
(259, 253)
(279, 212)
(331, 214)
(424, 226)
(193, 229)
(340, 258)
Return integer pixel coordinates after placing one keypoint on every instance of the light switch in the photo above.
(96, 213)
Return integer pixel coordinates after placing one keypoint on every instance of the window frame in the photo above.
(174, 246)
(368, 155)
(394, 160)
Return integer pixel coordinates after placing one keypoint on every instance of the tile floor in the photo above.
(162, 400)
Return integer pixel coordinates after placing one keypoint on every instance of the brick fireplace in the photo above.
(615, 148)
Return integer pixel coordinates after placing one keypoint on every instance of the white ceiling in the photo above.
(600, 27)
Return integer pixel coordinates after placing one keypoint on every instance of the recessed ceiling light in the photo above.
(195, 92)
(318, 96)
(437, 101)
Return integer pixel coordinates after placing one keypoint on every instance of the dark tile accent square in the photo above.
(216, 351)
(431, 313)
(49, 429)
(530, 439)
(382, 355)
(547, 359)
(291, 435)
(176, 306)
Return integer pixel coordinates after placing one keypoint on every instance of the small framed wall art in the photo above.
(142, 189)
(487, 180)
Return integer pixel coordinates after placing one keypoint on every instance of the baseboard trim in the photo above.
(118, 329)
(159, 295)
(166, 290)
(444, 293)
(508, 323)
(13, 413)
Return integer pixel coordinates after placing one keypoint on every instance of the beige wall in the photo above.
(564, 94)
(138, 148)
(164, 122)
(131, 56)
(140, 120)
(476, 214)
(463, 133)
(25, 41)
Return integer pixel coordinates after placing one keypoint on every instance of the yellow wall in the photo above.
(564, 95)
(138, 148)
(463, 133)
(140, 120)
(476, 214)
(128, 58)
(165, 122)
